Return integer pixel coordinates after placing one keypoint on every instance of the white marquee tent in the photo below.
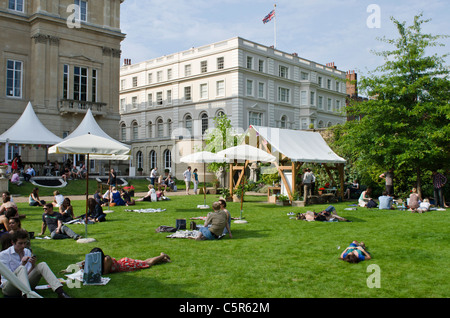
(28, 130)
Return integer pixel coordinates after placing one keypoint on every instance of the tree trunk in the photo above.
(419, 185)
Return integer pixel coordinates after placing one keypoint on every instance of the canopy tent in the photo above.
(28, 130)
(297, 146)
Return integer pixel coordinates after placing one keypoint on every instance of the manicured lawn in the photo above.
(272, 256)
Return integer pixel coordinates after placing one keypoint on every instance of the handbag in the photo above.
(180, 224)
(92, 268)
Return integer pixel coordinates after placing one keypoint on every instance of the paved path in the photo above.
(136, 195)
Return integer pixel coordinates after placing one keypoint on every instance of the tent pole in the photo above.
(204, 183)
(87, 195)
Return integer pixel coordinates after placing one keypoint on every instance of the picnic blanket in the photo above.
(79, 221)
(204, 218)
(184, 234)
(146, 210)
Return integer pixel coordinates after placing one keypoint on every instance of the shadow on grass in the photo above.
(241, 234)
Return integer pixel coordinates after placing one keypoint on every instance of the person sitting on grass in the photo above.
(53, 221)
(34, 199)
(66, 210)
(414, 200)
(148, 196)
(223, 207)
(127, 198)
(116, 198)
(424, 206)
(4, 220)
(7, 204)
(355, 253)
(112, 265)
(218, 221)
(364, 198)
(95, 211)
(19, 260)
(385, 201)
(58, 200)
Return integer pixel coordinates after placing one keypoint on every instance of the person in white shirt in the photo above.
(187, 179)
(59, 199)
(19, 260)
(153, 175)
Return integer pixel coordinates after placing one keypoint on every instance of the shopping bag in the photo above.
(92, 268)
(180, 224)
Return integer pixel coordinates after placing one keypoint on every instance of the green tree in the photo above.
(222, 136)
(405, 122)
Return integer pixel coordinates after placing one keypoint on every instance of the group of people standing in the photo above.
(415, 202)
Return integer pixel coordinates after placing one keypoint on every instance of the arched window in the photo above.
(168, 159)
(329, 124)
(204, 119)
(139, 159)
(220, 113)
(123, 132)
(135, 131)
(188, 124)
(160, 127)
(153, 161)
(283, 121)
(320, 124)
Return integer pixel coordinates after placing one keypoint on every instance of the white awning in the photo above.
(297, 145)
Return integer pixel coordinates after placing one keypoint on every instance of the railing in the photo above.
(79, 106)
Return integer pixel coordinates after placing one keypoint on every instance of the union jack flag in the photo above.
(269, 17)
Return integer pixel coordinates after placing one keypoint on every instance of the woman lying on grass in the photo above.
(111, 265)
(355, 253)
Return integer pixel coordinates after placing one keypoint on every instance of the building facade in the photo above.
(176, 97)
(63, 56)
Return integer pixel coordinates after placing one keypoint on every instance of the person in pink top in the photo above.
(112, 265)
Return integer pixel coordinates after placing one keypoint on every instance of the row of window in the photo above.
(81, 8)
(169, 73)
(283, 71)
(79, 83)
(153, 160)
(159, 124)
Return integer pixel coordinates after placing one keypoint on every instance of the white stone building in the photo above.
(177, 96)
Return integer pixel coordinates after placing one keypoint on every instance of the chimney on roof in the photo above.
(331, 64)
(127, 62)
(352, 83)
(294, 54)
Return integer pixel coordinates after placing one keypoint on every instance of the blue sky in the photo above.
(319, 30)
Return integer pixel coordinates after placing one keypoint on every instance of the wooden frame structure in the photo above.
(285, 164)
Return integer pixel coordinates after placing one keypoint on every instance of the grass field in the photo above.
(271, 256)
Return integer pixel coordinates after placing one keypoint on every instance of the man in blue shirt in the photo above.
(385, 201)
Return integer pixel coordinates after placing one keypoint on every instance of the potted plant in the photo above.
(320, 191)
(140, 171)
(226, 194)
(3, 169)
(283, 200)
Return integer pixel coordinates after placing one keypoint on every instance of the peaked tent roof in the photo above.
(28, 129)
(89, 126)
(297, 145)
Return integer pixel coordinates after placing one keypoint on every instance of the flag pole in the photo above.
(275, 25)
